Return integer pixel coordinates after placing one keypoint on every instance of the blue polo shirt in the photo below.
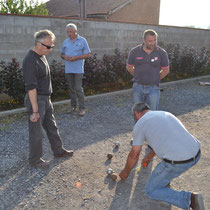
(78, 47)
(147, 66)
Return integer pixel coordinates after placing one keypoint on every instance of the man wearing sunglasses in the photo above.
(174, 145)
(74, 51)
(38, 87)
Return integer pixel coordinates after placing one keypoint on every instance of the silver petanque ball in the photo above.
(109, 171)
(117, 143)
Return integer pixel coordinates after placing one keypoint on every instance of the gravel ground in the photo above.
(108, 119)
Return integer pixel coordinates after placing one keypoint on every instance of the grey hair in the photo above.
(43, 34)
(149, 32)
(140, 107)
(72, 26)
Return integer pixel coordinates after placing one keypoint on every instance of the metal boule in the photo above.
(113, 176)
(109, 156)
(109, 171)
(117, 143)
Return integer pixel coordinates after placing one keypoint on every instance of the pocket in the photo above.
(155, 61)
(140, 60)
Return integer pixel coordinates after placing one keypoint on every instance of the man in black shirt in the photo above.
(38, 86)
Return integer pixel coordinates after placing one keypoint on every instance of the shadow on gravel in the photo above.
(23, 183)
(106, 117)
(131, 195)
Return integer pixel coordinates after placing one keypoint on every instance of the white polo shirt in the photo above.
(166, 135)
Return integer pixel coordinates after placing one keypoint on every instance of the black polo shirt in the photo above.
(36, 73)
(147, 66)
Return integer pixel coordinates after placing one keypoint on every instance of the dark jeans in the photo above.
(76, 89)
(46, 121)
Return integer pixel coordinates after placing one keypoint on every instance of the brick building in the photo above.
(135, 11)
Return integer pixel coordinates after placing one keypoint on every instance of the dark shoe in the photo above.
(65, 153)
(197, 202)
(168, 185)
(40, 164)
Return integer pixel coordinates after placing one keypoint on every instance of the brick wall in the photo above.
(139, 11)
(16, 35)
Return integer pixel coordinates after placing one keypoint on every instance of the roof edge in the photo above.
(119, 7)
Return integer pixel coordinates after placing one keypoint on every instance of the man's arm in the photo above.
(148, 158)
(164, 72)
(33, 99)
(130, 68)
(74, 58)
(131, 162)
(79, 57)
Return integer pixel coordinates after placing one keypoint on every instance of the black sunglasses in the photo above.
(47, 46)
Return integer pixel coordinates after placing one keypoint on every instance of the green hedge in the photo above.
(107, 74)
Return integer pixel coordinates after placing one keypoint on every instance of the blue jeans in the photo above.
(156, 187)
(149, 94)
(76, 89)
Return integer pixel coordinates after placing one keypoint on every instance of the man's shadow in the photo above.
(23, 183)
(130, 194)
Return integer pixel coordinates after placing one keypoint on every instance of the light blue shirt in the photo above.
(78, 47)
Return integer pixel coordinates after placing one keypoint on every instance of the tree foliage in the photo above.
(22, 7)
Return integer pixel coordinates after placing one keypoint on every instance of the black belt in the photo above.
(182, 161)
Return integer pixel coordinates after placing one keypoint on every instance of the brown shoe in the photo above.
(65, 153)
(197, 202)
(40, 164)
(82, 112)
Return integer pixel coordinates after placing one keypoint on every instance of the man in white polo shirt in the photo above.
(172, 143)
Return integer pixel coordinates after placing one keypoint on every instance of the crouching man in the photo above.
(172, 143)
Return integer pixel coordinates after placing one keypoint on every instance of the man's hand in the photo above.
(145, 162)
(74, 58)
(67, 58)
(130, 69)
(34, 117)
(124, 174)
(148, 158)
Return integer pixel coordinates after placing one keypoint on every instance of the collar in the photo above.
(78, 38)
(156, 48)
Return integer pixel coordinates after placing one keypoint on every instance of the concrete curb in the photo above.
(58, 103)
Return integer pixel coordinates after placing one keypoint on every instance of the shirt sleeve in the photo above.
(131, 58)
(86, 49)
(30, 74)
(138, 135)
(164, 60)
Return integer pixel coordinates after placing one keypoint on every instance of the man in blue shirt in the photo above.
(148, 63)
(74, 51)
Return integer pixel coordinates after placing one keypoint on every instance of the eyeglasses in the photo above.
(47, 46)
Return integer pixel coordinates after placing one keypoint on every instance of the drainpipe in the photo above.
(82, 8)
